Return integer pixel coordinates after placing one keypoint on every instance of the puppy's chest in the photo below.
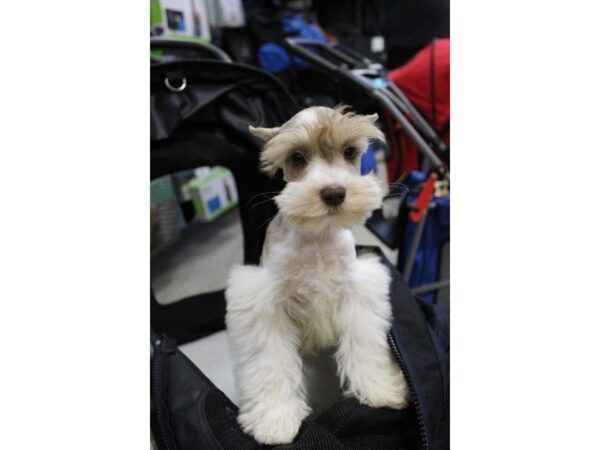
(313, 263)
(316, 278)
(313, 300)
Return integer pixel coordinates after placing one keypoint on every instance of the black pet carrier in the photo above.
(200, 112)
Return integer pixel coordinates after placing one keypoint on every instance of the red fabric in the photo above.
(404, 155)
(414, 79)
(422, 202)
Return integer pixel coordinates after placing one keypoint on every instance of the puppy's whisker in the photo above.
(266, 221)
(399, 185)
(262, 202)
(261, 194)
(395, 194)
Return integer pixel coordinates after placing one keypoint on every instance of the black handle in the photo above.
(298, 46)
(341, 71)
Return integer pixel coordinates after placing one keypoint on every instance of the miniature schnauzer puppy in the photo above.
(311, 290)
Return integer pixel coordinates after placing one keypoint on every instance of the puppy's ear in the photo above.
(264, 133)
(363, 127)
(373, 118)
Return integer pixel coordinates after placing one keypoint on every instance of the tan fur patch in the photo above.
(317, 131)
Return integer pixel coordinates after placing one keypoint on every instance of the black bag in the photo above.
(189, 412)
(206, 124)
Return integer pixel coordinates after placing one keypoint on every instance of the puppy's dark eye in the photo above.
(349, 153)
(297, 160)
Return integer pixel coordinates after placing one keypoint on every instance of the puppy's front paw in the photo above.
(276, 425)
(384, 389)
(395, 396)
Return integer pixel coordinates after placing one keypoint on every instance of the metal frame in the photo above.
(349, 66)
(358, 71)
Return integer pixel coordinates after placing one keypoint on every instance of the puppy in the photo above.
(311, 290)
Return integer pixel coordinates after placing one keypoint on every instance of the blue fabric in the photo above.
(435, 234)
(415, 177)
(367, 162)
(274, 58)
(295, 25)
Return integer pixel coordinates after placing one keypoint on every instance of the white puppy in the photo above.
(310, 290)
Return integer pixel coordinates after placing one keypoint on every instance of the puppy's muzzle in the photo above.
(333, 195)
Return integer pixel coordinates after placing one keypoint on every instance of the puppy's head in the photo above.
(319, 151)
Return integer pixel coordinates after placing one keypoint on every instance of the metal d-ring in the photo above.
(174, 88)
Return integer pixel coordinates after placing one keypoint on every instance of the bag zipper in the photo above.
(411, 387)
(159, 354)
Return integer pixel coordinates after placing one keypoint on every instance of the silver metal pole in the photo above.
(408, 128)
(420, 121)
(414, 247)
(401, 105)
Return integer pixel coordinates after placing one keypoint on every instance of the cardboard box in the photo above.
(181, 18)
(212, 192)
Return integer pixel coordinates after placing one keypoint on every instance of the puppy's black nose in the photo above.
(333, 195)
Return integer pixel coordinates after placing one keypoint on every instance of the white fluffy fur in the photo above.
(311, 291)
(301, 204)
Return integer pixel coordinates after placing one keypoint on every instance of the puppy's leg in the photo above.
(265, 345)
(365, 364)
